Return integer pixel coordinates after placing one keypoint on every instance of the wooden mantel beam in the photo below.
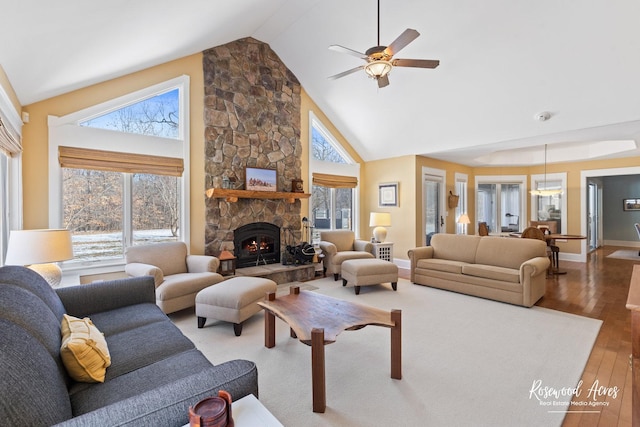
(234, 195)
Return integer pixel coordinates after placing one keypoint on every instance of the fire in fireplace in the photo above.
(256, 243)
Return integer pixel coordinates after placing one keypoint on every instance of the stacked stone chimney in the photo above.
(252, 119)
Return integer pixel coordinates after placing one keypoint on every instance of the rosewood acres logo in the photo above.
(573, 398)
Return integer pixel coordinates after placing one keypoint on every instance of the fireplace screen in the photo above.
(256, 244)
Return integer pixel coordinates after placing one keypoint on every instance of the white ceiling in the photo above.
(501, 63)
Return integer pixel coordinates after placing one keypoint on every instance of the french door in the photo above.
(433, 195)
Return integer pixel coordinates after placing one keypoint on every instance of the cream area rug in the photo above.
(466, 361)
(631, 254)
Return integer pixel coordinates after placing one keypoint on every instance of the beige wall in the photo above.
(403, 217)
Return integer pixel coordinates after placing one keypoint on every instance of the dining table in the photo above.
(551, 240)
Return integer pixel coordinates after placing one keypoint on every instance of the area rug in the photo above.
(465, 361)
(631, 254)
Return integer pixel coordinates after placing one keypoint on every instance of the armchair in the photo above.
(178, 276)
(339, 246)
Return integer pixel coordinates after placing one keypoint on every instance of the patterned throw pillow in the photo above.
(84, 350)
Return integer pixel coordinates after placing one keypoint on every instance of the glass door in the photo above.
(434, 220)
(593, 216)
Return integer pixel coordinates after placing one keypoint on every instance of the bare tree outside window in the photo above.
(94, 202)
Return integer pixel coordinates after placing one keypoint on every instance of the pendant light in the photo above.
(544, 191)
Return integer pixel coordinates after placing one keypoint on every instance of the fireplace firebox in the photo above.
(256, 244)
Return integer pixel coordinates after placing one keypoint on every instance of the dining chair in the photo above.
(637, 226)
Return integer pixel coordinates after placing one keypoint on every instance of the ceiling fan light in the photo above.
(378, 69)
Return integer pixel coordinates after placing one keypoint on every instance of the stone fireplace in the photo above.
(252, 119)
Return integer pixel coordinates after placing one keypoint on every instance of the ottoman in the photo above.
(369, 271)
(233, 300)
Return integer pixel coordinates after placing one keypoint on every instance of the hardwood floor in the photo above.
(597, 289)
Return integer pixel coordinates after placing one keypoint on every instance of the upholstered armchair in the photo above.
(339, 246)
(178, 276)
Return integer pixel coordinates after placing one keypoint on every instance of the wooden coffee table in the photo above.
(317, 319)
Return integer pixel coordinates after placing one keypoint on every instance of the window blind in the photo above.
(9, 144)
(335, 181)
(84, 158)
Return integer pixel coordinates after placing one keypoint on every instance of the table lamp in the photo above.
(380, 220)
(40, 249)
(464, 219)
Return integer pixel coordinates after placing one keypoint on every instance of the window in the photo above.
(500, 202)
(122, 188)
(334, 177)
(551, 208)
(157, 115)
(461, 191)
(10, 171)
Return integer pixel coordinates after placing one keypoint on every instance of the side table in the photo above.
(249, 412)
(384, 250)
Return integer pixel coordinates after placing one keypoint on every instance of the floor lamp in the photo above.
(40, 249)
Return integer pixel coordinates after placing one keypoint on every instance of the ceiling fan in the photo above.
(380, 58)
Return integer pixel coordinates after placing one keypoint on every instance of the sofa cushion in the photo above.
(138, 347)
(126, 318)
(509, 252)
(84, 350)
(178, 285)
(340, 257)
(343, 239)
(154, 374)
(171, 257)
(455, 247)
(441, 265)
(492, 272)
(34, 392)
(34, 283)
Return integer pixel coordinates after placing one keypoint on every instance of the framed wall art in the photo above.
(257, 179)
(388, 195)
(631, 204)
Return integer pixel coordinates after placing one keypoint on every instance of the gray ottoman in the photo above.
(234, 300)
(369, 271)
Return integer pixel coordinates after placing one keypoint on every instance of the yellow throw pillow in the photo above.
(84, 350)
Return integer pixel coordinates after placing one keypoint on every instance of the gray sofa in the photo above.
(156, 373)
(504, 269)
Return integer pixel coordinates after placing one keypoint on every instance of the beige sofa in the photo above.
(504, 269)
(339, 246)
(177, 275)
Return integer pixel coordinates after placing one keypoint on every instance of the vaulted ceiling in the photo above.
(501, 63)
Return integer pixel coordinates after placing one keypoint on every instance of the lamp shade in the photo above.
(28, 247)
(380, 219)
(464, 219)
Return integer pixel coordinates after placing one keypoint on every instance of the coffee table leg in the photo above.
(270, 324)
(317, 370)
(396, 345)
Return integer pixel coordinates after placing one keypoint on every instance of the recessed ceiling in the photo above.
(501, 63)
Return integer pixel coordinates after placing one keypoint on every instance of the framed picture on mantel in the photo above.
(257, 179)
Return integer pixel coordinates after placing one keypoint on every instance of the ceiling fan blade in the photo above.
(419, 63)
(383, 81)
(342, 49)
(404, 39)
(346, 73)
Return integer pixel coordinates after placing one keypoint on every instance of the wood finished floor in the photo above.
(597, 289)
